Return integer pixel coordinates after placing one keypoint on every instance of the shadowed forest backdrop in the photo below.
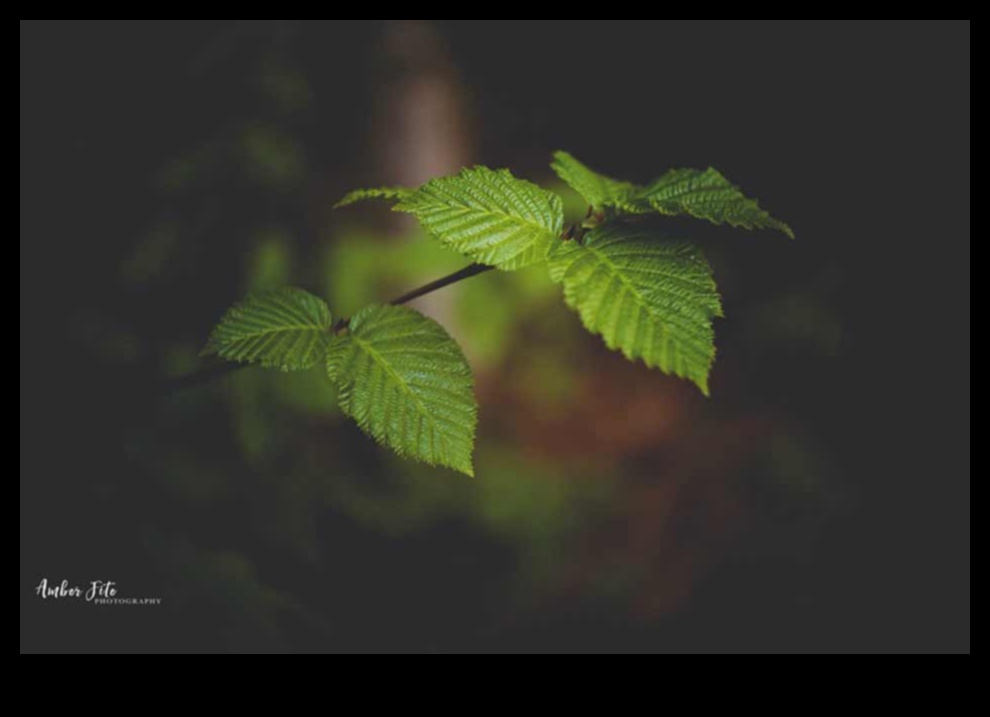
(819, 500)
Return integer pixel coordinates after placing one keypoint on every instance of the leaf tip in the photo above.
(359, 195)
(348, 199)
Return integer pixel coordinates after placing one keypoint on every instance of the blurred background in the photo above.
(818, 501)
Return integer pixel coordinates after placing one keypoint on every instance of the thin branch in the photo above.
(466, 273)
(198, 378)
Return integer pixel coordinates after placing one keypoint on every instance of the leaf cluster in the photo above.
(405, 381)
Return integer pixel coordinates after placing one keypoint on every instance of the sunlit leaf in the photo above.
(406, 383)
(705, 195)
(597, 189)
(650, 298)
(489, 215)
(286, 329)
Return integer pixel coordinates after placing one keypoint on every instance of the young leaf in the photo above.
(489, 215)
(650, 298)
(359, 195)
(407, 384)
(706, 195)
(285, 329)
(597, 189)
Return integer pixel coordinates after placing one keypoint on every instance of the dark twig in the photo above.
(466, 273)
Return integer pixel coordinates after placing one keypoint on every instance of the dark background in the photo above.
(818, 501)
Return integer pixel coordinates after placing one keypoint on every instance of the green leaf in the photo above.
(705, 195)
(489, 215)
(597, 189)
(285, 329)
(407, 384)
(359, 195)
(651, 298)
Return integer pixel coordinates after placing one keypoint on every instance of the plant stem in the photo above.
(213, 372)
(466, 273)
